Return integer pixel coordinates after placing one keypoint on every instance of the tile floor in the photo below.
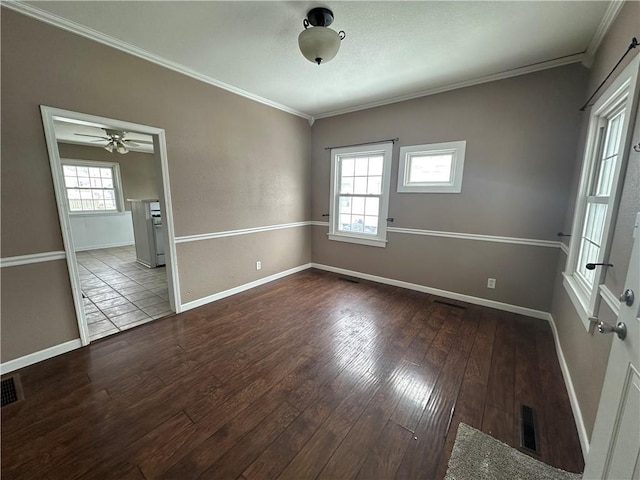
(119, 292)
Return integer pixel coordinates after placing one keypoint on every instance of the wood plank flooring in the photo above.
(307, 377)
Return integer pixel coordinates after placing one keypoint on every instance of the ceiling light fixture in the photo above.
(319, 44)
(116, 145)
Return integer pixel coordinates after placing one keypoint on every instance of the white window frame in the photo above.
(379, 240)
(117, 185)
(457, 167)
(622, 93)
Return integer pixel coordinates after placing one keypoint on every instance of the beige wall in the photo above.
(37, 308)
(139, 173)
(521, 139)
(233, 163)
(587, 354)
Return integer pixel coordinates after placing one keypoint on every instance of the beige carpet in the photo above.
(478, 456)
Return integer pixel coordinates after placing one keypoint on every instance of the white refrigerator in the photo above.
(148, 231)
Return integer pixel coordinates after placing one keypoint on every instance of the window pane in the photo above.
(87, 204)
(109, 195)
(84, 182)
(97, 194)
(594, 225)
(109, 204)
(105, 172)
(345, 204)
(430, 168)
(71, 182)
(94, 172)
(357, 223)
(374, 186)
(69, 170)
(358, 206)
(348, 165)
(345, 222)
(75, 205)
(371, 225)
(107, 183)
(96, 182)
(83, 171)
(360, 185)
(73, 193)
(614, 130)
(372, 206)
(85, 194)
(346, 186)
(362, 166)
(375, 165)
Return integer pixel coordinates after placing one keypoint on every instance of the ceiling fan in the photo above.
(116, 140)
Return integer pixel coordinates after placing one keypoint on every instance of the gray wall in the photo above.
(139, 173)
(233, 163)
(587, 354)
(521, 147)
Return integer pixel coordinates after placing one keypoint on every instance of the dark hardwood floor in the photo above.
(310, 376)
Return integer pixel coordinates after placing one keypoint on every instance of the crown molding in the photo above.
(73, 27)
(608, 18)
(536, 67)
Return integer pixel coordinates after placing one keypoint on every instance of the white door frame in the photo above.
(49, 114)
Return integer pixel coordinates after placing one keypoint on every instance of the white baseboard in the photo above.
(241, 288)
(36, 357)
(575, 406)
(530, 312)
(106, 245)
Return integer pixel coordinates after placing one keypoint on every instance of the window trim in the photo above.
(117, 183)
(380, 240)
(457, 168)
(623, 91)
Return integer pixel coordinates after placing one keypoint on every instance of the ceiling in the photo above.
(392, 51)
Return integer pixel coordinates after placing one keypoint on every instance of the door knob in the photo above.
(627, 297)
(620, 329)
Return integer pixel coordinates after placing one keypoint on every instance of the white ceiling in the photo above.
(392, 50)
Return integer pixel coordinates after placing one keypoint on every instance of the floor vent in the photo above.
(449, 304)
(352, 280)
(528, 428)
(11, 391)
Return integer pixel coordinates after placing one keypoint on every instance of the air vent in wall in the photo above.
(528, 428)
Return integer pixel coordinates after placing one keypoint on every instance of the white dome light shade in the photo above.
(319, 44)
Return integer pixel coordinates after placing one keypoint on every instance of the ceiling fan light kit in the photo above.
(319, 44)
(116, 141)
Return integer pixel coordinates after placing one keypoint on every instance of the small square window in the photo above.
(432, 168)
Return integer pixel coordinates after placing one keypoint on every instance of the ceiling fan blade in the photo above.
(131, 143)
(138, 141)
(94, 136)
(96, 141)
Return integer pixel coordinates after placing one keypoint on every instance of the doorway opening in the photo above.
(113, 197)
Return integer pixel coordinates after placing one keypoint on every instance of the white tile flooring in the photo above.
(119, 292)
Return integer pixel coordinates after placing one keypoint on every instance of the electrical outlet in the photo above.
(258, 265)
(491, 283)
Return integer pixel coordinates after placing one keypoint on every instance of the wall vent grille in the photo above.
(10, 391)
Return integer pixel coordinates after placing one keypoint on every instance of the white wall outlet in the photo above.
(258, 265)
(491, 283)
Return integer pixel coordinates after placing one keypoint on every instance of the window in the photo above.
(433, 168)
(596, 205)
(92, 187)
(360, 194)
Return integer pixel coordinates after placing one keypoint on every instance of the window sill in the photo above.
(370, 242)
(583, 311)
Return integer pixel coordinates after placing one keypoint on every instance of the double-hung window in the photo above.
(92, 187)
(602, 174)
(360, 194)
